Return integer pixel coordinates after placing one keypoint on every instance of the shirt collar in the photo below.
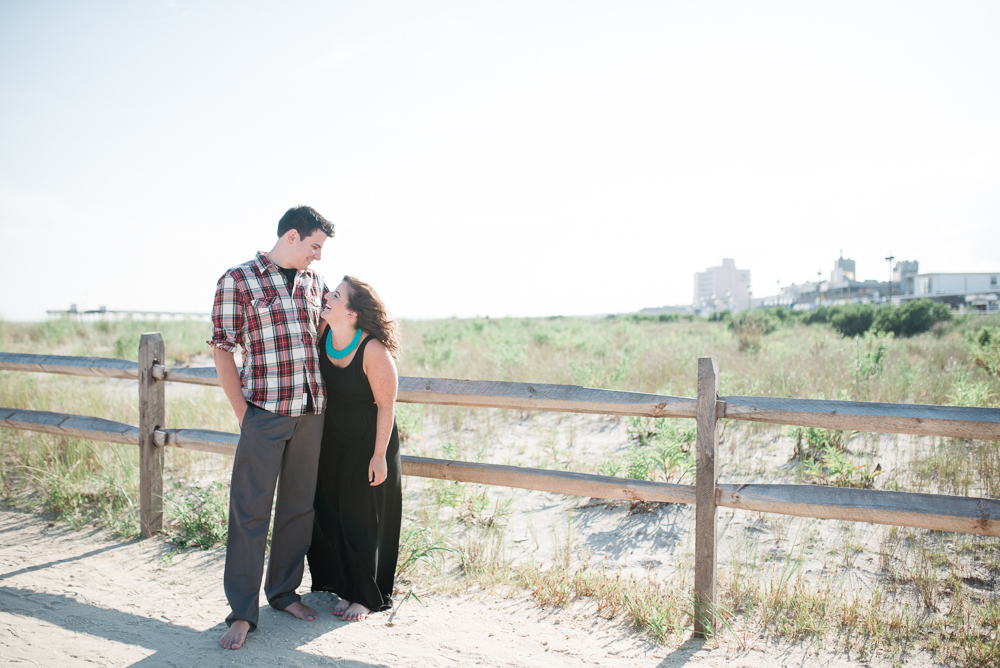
(262, 264)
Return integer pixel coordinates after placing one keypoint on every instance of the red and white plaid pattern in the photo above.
(277, 332)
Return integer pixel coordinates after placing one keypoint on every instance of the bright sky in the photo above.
(492, 158)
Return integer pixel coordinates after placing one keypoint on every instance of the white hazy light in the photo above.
(493, 158)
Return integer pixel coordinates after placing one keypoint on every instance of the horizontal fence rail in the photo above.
(99, 367)
(917, 419)
(70, 426)
(207, 440)
(547, 480)
(541, 397)
(926, 511)
(939, 512)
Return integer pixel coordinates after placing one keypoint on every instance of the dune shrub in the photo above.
(818, 317)
(986, 350)
(851, 319)
(914, 317)
(750, 327)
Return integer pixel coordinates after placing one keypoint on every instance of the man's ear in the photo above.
(293, 236)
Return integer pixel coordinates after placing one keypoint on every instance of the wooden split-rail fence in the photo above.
(926, 511)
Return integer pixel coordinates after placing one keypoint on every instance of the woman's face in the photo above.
(336, 308)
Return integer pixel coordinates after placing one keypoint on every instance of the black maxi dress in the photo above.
(355, 540)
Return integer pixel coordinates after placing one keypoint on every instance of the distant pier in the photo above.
(103, 313)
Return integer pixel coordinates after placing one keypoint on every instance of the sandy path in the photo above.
(79, 598)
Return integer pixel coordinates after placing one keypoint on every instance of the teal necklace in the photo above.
(341, 354)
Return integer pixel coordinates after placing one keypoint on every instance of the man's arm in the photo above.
(229, 375)
(227, 325)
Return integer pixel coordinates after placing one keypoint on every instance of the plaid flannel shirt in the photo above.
(277, 332)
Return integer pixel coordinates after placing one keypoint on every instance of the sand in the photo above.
(82, 598)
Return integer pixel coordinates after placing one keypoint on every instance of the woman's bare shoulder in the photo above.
(377, 350)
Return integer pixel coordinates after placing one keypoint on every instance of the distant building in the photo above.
(971, 291)
(903, 273)
(660, 310)
(722, 288)
(791, 295)
(842, 287)
(843, 271)
(928, 285)
(977, 291)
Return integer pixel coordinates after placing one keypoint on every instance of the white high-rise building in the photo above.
(723, 287)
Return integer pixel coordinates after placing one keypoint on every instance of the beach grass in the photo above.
(930, 589)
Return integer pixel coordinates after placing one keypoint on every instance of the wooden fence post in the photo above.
(705, 499)
(151, 417)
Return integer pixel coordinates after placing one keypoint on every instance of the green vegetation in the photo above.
(904, 610)
(852, 319)
(749, 327)
(778, 353)
(200, 514)
(105, 338)
(910, 319)
(986, 348)
(87, 483)
(932, 589)
(661, 450)
(913, 317)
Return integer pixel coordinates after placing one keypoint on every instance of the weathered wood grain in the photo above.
(70, 426)
(205, 440)
(204, 375)
(949, 421)
(707, 445)
(99, 367)
(560, 482)
(924, 511)
(953, 421)
(498, 394)
(152, 415)
(541, 397)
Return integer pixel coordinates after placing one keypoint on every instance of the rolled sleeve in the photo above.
(227, 317)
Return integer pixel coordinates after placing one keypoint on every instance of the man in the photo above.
(270, 306)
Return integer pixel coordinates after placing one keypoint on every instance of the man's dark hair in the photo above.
(305, 220)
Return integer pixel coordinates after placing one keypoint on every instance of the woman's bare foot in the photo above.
(341, 607)
(355, 612)
(236, 635)
(301, 611)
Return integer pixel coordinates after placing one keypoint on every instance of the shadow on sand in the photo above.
(276, 642)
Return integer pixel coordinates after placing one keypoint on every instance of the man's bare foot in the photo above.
(355, 612)
(301, 611)
(341, 607)
(236, 635)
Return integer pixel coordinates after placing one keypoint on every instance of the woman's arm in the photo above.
(381, 371)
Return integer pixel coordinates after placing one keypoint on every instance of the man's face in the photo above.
(304, 251)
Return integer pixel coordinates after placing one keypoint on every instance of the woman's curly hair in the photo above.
(373, 316)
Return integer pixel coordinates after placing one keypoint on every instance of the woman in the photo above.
(355, 539)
